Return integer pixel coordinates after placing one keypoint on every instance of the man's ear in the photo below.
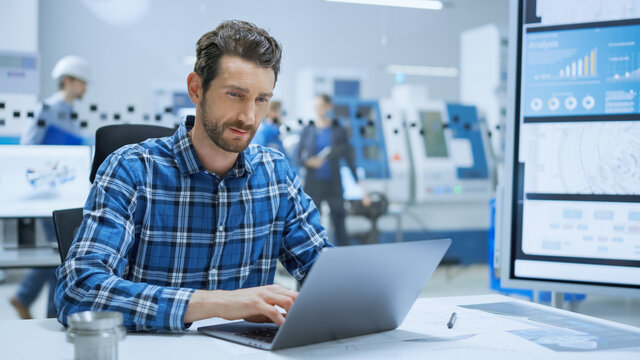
(194, 86)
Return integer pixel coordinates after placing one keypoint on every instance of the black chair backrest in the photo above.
(112, 137)
(66, 222)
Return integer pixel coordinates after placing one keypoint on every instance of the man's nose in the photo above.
(247, 113)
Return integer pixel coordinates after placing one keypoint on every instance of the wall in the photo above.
(19, 25)
(19, 29)
(128, 59)
(19, 38)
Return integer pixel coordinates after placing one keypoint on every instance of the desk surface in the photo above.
(480, 332)
(29, 257)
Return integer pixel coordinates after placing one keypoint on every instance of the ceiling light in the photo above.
(437, 71)
(415, 4)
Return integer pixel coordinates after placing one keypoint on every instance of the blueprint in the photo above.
(563, 332)
(600, 158)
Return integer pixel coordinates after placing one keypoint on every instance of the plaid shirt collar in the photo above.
(187, 158)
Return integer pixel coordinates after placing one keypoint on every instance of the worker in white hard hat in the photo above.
(54, 123)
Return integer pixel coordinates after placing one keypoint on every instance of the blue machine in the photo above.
(363, 122)
(464, 124)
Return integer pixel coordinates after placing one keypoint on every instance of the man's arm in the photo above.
(91, 278)
(302, 153)
(32, 133)
(303, 237)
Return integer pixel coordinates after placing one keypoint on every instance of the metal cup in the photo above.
(95, 334)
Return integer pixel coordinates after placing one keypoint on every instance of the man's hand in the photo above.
(314, 162)
(253, 304)
(366, 200)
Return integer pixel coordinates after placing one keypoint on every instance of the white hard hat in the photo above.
(71, 66)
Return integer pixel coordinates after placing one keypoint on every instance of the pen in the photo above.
(452, 320)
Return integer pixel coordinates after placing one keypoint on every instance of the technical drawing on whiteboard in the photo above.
(583, 158)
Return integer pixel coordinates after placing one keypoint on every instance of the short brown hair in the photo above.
(236, 38)
(326, 98)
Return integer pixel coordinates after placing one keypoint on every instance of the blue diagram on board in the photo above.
(464, 124)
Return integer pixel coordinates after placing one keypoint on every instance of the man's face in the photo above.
(237, 100)
(321, 107)
(275, 114)
(76, 87)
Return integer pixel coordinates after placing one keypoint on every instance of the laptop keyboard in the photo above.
(265, 335)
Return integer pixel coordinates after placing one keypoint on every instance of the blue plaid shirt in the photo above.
(157, 225)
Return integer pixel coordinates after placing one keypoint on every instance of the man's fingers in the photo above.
(284, 291)
(256, 304)
(283, 301)
(273, 314)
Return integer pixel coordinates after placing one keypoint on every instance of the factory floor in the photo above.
(448, 280)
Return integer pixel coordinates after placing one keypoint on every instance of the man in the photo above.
(268, 133)
(53, 124)
(324, 144)
(190, 226)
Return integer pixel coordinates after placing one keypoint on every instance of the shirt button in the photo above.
(220, 228)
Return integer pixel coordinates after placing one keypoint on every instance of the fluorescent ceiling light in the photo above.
(438, 71)
(415, 4)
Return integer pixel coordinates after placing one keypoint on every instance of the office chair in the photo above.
(378, 207)
(66, 222)
(108, 139)
(112, 137)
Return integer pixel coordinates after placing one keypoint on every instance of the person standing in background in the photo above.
(54, 123)
(268, 133)
(323, 145)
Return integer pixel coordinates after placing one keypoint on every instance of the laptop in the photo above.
(349, 291)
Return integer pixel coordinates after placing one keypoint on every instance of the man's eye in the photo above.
(234, 94)
(263, 99)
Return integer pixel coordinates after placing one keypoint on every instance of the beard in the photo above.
(215, 130)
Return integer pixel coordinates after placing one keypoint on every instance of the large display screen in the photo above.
(576, 170)
(37, 179)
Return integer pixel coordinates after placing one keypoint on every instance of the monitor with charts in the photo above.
(572, 199)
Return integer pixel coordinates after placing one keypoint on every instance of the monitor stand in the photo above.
(20, 234)
(26, 233)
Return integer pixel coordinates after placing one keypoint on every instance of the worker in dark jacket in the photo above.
(323, 144)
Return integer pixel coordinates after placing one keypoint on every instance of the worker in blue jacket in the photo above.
(324, 145)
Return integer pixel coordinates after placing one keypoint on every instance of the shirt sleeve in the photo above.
(303, 237)
(94, 275)
(302, 153)
(341, 149)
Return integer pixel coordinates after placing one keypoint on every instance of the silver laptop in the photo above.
(349, 291)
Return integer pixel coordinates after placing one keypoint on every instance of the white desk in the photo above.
(45, 256)
(423, 335)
